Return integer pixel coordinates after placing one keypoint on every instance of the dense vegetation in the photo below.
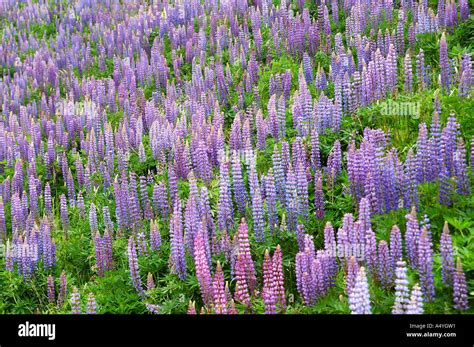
(236, 156)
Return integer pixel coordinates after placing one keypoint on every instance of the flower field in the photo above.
(236, 157)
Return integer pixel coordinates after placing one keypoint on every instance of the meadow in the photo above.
(236, 157)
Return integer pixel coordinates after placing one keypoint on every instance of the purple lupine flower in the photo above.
(142, 247)
(408, 73)
(464, 9)
(415, 305)
(150, 284)
(384, 265)
(335, 160)
(243, 251)
(278, 279)
(62, 289)
(99, 254)
(133, 266)
(155, 236)
(402, 293)
(261, 130)
(178, 255)
(421, 70)
(91, 304)
(460, 169)
(444, 63)
(364, 214)
(351, 273)
(370, 252)
(160, 200)
(412, 235)
(278, 169)
(225, 208)
(315, 151)
(173, 183)
(271, 196)
(75, 301)
(459, 288)
(268, 291)
(425, 265)
(410, 188)
(109, 226)
(241, 293)
(93, 219)
(300, 234)
(291, 198)
(257, 215)
(203, 273)
(319, 196)
(396, 252)
(307, 68)
(155, 309)
(51, 296)
(192, 307)
(446, 188)
(48, 206)
(64, 213)
(240, 193)
(107, 249)
(218, 290)
(359, 297)
(447, 258)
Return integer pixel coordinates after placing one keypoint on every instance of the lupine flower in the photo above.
(425, 265)
(241, 288)
(99, 254)
(416, 301)
(412, 234)
(62, 289)
(225, 209)
(218, 290)
(155, 309)
(155, 236)
(178, 256)
(407, 68)
(91, 304)
(203, 273)
(443, 63)
(351, 273)
(243, 251)
(447, 258)
(460, 169)
(370, 252)
(396, 252)
(384, 264)
(191, 307)
(359, 297)
(150, 284)
(459, 288)
(133, 266)
(402, 292)
(257, 215)
(51, 297)
(64, 213)
(278, 279)
(445, 187)
(75, 301)
(268, 285)
(319, 196)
